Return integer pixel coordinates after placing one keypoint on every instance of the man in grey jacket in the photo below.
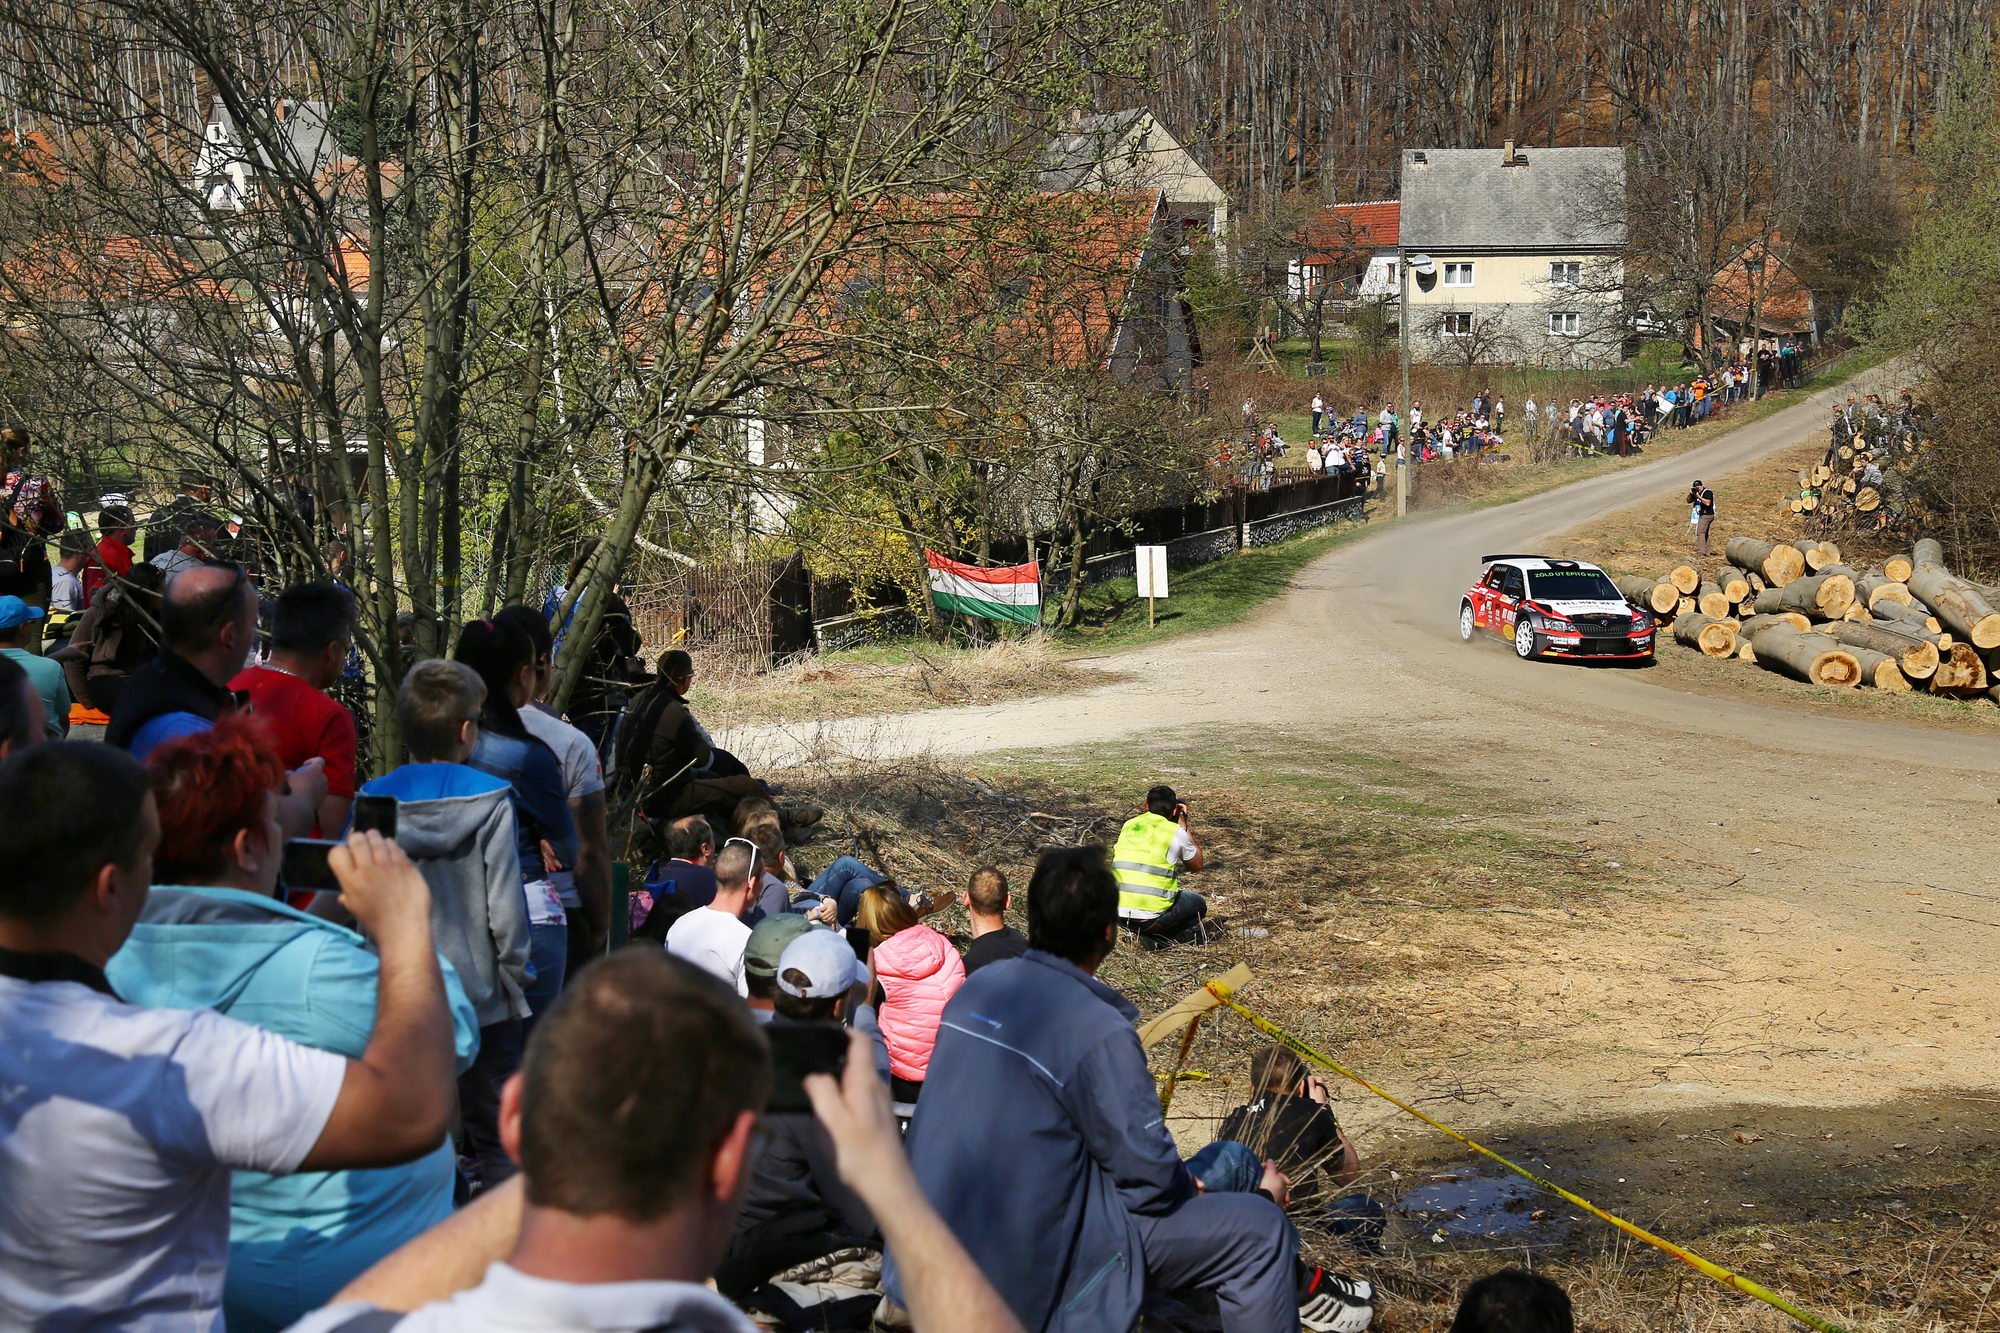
(1038, 1075)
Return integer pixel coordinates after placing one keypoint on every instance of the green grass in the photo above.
(1204, 596)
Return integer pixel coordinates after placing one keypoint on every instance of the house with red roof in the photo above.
(1350, 252)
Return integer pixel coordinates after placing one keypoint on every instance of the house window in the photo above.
(1565, 323)
(1455, 324)
(1458, 275)
(1566, 273)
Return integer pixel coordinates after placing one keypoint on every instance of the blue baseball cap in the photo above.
(14, 611)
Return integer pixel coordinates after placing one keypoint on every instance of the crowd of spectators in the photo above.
(290, 1046)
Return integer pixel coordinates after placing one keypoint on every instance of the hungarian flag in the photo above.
(1011, 592)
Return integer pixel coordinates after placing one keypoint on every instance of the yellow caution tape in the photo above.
(1227, 995)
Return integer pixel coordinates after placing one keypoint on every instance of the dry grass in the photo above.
(1387, 890)
(906, 677)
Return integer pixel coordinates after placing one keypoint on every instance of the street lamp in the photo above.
(1753, 266)
(1426, 265)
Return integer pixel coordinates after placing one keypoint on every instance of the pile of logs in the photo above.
(1862, 484)
(1906, 624)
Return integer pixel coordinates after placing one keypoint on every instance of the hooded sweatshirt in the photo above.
(919, 971)
(457, 824)
(293, 1240)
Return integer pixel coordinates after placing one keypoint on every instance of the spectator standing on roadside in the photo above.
(195, 547)
(713, 937)
(217, 938)
(20, 625)
(167, 523)
(1701, 501)
(457, 824)
(116, 636)
(123, 1122)
(116, 531)
(208, 624)
(1319, 412)
(993, 940)
(312, 629)
(31, 516)
(623, 1224)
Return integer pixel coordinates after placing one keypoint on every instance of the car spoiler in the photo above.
(1489, 559)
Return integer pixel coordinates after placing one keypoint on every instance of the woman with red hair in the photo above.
(215, 933)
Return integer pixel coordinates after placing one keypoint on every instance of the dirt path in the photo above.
(1831, 931)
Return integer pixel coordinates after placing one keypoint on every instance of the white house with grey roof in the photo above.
(1528, 246)
(228, 171)
(1131, 150)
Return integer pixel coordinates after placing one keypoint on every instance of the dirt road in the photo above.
(1831, 933)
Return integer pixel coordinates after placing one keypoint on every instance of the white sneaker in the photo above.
(1341, 1305)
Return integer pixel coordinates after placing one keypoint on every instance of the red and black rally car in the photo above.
(1554, 608)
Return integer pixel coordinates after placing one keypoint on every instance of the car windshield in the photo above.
(1573, 585)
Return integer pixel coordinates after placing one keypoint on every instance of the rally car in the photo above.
(1554, 608)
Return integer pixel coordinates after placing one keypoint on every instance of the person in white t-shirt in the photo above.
(120, 1125)
(713, 937)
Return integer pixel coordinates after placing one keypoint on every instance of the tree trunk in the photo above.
(1906, 613)
(1877, 586)
(1926, 551)
(1778, 563)
(1881, 671)
(1756, 625)
(1959, 672)
(1710, 634)
(1821, 554)
(1685, 577)
(1710, 600)
(1656, 595)
(1953, 601)
(1917, 657)
(1899, 567)
(1823, 596)
(1809, 657)
(1735, 584)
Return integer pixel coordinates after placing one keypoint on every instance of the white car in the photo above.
(1554, 608)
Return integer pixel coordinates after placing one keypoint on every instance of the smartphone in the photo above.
(798, 1050)
(304, 868)
(857, 940)
(377, 813)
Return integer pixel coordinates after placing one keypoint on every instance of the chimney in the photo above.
(1507, 154)
(281, 110)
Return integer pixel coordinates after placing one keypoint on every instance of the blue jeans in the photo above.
(548, 955)
(845, 881)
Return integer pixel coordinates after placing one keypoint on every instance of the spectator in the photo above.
(1318, 411)
(1514, 1301)
(585, 887)
(118, 634)
(312, 630)
(168, 523)
(31, 516)
(662, 748)
(1701, 502)
(634, 1168)
(19, 626)
(196, 547)
(1153, 848)
(713, 937)
(1038, 1067)
(116, 531)
(986, 908)
(66, 598)
(684, 882)
(21, 717)
(843, 881)
(761, 953)
(916, 972)
(1290, 1120)
(796, 1209)
(222, 941)
(544, 831)
(457, 824)
(122, 1122)
(208, 623)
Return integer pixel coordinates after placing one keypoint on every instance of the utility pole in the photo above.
(1424, 264)
(1754, 269)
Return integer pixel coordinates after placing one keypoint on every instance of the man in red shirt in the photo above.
(116, 530)
(311, 632)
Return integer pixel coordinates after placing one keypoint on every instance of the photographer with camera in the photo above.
(1152, 849)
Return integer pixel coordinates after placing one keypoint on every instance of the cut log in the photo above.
(1856, 611)
(1822, 596)
(1757, 583)
(1710, 634)
(1830, 551)
(1960, 671)
(1756, 624)
(1956, 605)
(1909, 612)
(1876, 586)
(1917, 658)
(1711, 600)
(1811, 657)
(1735, 584)
(1768, 602)
(1819, 555)
(1778, 563)
(1898, 567)
(1926, 551)
(1684, 607)
(1656, 595)
(1880, 670)
(1867, 499)
(1685, 577)
(1744, 652)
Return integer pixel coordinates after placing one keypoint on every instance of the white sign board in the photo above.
(1151, 562)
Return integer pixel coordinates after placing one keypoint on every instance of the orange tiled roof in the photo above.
(1342, 230)
(111, 270)
(1784, 302)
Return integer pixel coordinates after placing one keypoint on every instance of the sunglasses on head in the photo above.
(756, 856)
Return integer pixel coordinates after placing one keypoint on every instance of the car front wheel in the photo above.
(1466, 623)
(1524, 640)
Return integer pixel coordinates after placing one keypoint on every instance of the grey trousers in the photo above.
(1239, 1246)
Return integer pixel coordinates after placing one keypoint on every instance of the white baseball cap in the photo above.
(817, 965)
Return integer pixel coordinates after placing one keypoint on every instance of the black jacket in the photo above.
(167, 684)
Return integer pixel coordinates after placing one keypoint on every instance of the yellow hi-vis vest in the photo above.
(1141, 861)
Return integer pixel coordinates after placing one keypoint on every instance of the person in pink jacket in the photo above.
(916, 970)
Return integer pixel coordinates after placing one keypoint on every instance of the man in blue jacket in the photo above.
(1038, 1076)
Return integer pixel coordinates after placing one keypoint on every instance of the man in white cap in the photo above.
(796, 1209)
